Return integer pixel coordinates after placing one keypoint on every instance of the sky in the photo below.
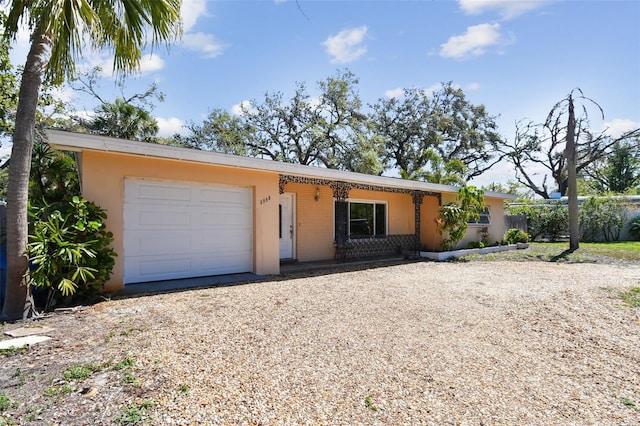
(518, 58)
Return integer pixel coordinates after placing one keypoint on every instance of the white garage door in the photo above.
(180, 230)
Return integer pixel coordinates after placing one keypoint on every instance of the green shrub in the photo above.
(601, 219)
(549, 220)
(475, 244)
(634, 228)
(454, 218)
(69, 249)
(513, 236)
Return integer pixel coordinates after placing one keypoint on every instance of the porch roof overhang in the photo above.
(78, 142)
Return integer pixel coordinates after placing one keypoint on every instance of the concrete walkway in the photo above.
(234, 279)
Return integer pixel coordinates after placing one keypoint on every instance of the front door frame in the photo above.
(287, 225)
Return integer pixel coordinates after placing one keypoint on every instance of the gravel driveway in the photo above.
(478, 343)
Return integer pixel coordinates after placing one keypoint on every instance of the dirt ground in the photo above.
(460, 343)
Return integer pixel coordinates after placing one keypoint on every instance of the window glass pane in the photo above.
(484, 218)
(360, 220)
(381, 219)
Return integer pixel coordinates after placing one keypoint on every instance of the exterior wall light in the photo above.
(317, 197)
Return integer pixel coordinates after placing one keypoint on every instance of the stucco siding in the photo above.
(103, 177)
(400, 209)
(314, 222)
(430, 238)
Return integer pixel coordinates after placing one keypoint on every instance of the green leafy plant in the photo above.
(55, 390)
(125, 363)
(484, 235)
(69, 249)
(369, 403)
(130, 379)
(601, 219)
(454, 218)
(6, 403)
(629, 403)
(77, 372)
(549, 221)
(514, 235)
(475, 244)
(133, 414)
(14, 350)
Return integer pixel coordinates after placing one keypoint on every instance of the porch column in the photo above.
(417, 197)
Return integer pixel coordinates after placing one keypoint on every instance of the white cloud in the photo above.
(508, 9)
(151, 63)
(191, 10)
(205, 43)
(617, 126)
(237, 108)
(168, 127)
(473, 86)
(396, 93)
(474, 42)
(429, 91)
(346, 46)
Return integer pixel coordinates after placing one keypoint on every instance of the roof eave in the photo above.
(70, 141)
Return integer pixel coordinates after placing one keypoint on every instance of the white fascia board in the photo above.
(69, 141)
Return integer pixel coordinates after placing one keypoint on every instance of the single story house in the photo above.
(181, 213)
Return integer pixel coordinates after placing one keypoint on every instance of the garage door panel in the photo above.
(160, 268)
(147, 191)
(223, 218)
(223, 197)
(159, 217)
(143, 242)
(233, 241)
(180, 230)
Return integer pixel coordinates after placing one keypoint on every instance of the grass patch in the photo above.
(369, 404)
(130, 379)
(14, 350)
(77, 372)
(614, 252)
(629, 403)
(631, 297)
(124, 364)
(184, 389)
(6, 403)
(134, 414)
(55, 390)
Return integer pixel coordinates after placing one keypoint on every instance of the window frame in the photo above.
(374, 204)
(486, 215)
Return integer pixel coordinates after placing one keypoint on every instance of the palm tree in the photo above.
(124, 120)
(60, 29)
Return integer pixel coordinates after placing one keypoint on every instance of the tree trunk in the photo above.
(572, 191)
(18, 302)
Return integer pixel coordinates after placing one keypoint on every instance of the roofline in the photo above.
(77, 142)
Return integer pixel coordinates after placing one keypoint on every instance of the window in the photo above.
(367, 220)
(484, 218)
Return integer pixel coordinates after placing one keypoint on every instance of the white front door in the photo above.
(286, 228)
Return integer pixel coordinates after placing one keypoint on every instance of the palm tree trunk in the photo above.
(18, 302)
(572, 191)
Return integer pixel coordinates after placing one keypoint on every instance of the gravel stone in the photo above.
(463, 343)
